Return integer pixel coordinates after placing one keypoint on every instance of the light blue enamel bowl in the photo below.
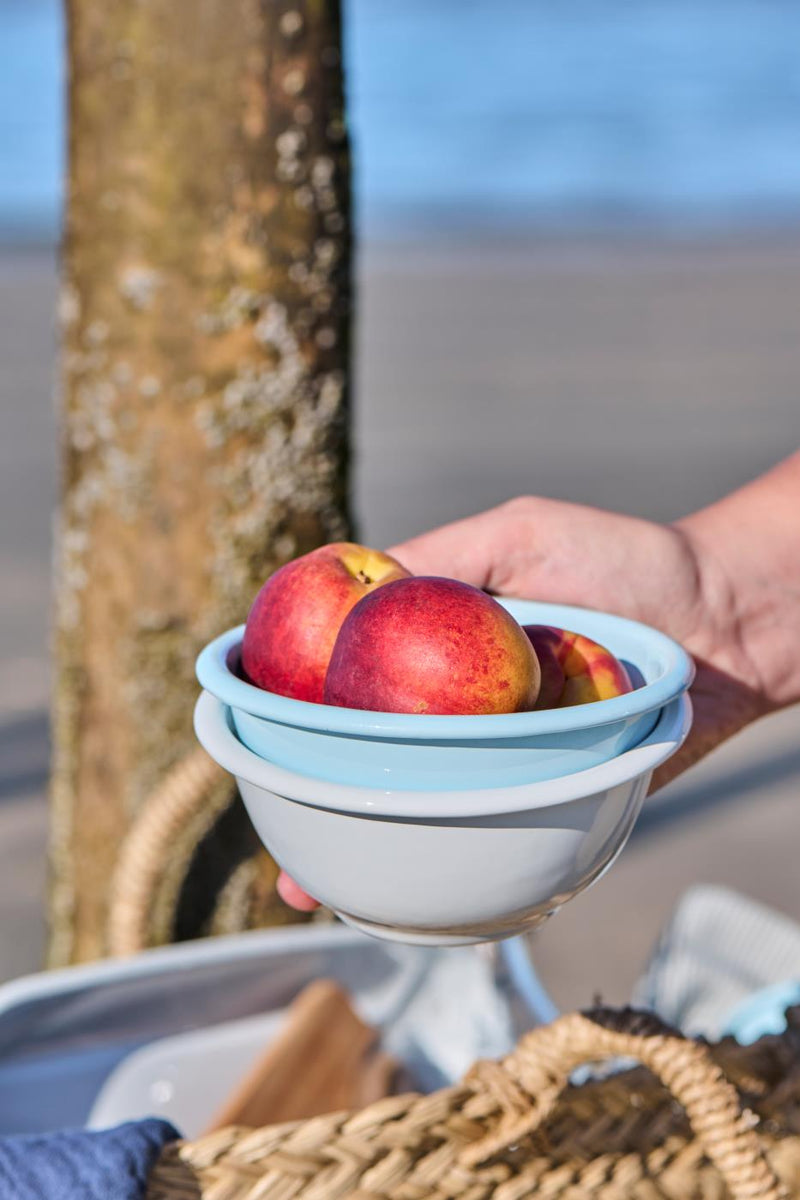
(418, 752)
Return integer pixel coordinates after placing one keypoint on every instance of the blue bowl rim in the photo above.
(216, 677)
(213, 725)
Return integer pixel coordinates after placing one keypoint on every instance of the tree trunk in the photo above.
(204, 411)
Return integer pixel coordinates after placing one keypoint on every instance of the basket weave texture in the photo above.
(694, 1122)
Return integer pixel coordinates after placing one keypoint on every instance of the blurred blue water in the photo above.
(581, 113)
(31, 120)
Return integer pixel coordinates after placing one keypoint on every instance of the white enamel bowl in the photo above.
(444, 867)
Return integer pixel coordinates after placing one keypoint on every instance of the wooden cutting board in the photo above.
(324, 1059)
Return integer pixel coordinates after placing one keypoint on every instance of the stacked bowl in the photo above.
(449, 829)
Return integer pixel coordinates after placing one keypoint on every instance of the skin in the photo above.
(724, 581)
(297, 615)
(431, 645)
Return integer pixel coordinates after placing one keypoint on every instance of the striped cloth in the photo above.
(720, 958)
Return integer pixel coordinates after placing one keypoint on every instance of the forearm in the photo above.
(748, 545)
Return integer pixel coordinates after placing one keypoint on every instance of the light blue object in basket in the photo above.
(762, 1012)
(421, 752)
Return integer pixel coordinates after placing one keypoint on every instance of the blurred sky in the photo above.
(629, 113)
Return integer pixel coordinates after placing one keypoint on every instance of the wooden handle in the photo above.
(325, 1059)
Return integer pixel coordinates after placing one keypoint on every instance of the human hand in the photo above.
(724, 581)
(549, 550)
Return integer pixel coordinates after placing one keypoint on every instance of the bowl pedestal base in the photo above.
(442, 937)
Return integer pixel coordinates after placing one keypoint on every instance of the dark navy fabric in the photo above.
(78, 1164)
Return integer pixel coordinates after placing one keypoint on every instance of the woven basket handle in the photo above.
(528, 1083)
(149, 846)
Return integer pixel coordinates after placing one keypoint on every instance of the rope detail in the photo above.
(545, 1058)
(148, 845)
(516, 1129)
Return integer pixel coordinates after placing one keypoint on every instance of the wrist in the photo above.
(751, 626)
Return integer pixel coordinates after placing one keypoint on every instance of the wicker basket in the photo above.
(694, 1122)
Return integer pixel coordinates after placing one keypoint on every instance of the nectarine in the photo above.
(296, 617)
(590, 672)
(430, 645)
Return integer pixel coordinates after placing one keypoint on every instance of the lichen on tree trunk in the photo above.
(205, 316)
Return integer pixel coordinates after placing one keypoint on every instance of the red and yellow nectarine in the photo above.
(430, 645)
(296, 617)
(589, 672)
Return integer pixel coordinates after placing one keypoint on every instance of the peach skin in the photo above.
(589, 671)
(430, 645)
(297, 615)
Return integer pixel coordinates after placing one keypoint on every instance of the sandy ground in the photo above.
(648, 379)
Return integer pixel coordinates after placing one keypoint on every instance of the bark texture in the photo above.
(205, 311)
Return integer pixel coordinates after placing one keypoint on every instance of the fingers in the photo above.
(471, 550)
(293, 895)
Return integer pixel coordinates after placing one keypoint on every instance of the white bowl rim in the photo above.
(212, 723)
(216, 677)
